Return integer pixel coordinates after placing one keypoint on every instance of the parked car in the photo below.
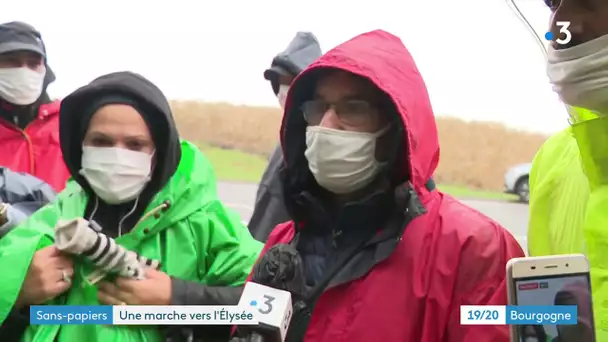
(516, 181)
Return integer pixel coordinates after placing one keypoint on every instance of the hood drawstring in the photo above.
(95, 207)
(162, 207)
(122, 220)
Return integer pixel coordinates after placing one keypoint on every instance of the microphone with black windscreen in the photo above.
(277, 281)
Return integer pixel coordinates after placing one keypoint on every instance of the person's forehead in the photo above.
(20, 54)
(346, 84)
(117, 113)
(118, 120)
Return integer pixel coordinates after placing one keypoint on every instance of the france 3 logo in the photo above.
(564, 36)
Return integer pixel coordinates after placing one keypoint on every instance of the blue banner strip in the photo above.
(68, 314)
(533, 314)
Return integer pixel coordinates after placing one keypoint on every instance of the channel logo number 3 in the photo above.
(565, 36)
(272, 307)
(266, 306)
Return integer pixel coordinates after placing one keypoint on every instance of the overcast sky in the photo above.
(478, 60)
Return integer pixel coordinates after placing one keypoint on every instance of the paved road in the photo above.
(513, 216)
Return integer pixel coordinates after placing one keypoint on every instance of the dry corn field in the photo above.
(474, 154)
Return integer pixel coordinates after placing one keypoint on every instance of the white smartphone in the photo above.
(552, 280)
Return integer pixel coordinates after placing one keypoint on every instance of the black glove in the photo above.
(14, 325)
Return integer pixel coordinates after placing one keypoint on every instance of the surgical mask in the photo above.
(282, 94)
(21, 86)
(116, 175)
(342, 161)
(579, 75)
(531, 339)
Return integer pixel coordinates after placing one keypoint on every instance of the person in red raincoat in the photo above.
(360, 144)
(29, 119)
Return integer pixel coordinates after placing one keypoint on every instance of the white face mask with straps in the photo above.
(115, 174)
(579, 75)
(342, 161)
(21, 86)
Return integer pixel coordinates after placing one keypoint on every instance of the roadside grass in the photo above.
(474, 155)
(466, 193)
(233, 165)
(237, 166)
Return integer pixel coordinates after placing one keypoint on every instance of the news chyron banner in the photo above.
(518, 315)
(237, 315)
(142, 315)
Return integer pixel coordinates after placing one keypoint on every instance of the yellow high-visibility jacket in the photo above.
(561, 214)
(559, 192)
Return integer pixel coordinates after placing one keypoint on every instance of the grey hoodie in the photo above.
(269, 208)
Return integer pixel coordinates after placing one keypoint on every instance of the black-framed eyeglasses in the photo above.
(349, 112)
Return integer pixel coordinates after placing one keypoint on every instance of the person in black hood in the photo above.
(269, 208)
(153, 194)
(131, 102)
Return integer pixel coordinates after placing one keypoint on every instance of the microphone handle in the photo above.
(255, 337)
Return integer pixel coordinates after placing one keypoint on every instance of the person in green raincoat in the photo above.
(569, 177)
(156, 195)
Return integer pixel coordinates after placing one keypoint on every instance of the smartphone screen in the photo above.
(568, 289)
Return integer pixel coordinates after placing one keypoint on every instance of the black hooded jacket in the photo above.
(76, 112)
(269, 208)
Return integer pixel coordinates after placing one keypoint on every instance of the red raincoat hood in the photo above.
(383, 59)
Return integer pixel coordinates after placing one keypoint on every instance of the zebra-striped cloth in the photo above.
(84, 238)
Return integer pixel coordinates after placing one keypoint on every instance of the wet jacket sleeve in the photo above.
(185, 292)
(13, 218)
(16, 187)
(228, 249)
(269, 208)
(482, 281)
(24, 194)
(537, 207)
(559, 193)
(229, 252)
(17, 250)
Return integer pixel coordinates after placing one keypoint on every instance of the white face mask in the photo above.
(282, 94)
(579, 74)
(342, 161)
(21, 86)
(115, 174)
(531, 339)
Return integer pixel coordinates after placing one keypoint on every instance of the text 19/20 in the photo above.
(482, 315)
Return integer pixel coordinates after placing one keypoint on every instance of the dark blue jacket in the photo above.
(269, 208)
